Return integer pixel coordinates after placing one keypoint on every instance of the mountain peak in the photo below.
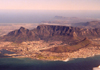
(22, 28)
(52, 32)
(86, 38)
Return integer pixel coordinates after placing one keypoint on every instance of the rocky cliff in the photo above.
(51, 32)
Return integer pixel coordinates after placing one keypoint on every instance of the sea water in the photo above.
(30, 64)
(36, 16)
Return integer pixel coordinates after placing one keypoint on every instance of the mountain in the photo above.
(60, 49)
(91, 24)
(20, 35)
(66, 31)
(68, 21)
(50, 33)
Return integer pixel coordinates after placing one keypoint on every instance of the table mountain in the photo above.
(51, 32)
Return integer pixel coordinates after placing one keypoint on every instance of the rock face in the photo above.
(20, 35)
(51, 32)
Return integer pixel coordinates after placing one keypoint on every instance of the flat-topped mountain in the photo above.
(51, 42)
(68, 31)
(51, 32)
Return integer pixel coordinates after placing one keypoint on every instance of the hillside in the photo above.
(52, 42)
(51, 33)
(91, 24)
(60, 49)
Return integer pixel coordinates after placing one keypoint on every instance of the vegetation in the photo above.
(40, 56)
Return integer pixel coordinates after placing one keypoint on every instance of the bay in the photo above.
(30, 64)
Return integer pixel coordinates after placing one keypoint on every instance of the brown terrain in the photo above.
(91, 24)
(5, 28)
(51, 32)
(69, 21)
(51, 42)
(71, 48)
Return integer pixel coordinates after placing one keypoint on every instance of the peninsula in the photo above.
(51, 42)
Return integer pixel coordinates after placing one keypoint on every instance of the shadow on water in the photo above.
(29, 64)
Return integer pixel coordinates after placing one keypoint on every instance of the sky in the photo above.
(50, 4)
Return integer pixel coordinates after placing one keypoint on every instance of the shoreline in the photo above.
(66, 60)
(28, 50)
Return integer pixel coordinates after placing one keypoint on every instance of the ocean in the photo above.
(30, 64)
(37, 16)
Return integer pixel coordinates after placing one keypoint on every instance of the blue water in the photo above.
(29, 64)
(36, 16)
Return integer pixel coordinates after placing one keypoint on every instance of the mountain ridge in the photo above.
(70, 48)
(51, 32)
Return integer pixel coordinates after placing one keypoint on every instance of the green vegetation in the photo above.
(40, 56)
(15, 44)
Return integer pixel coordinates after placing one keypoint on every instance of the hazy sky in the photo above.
(50, 4)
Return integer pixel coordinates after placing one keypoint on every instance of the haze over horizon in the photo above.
(35, 11)
(49, 4)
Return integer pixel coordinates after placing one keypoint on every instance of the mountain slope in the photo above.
(20, 35)
(91, 24)
(60, 49)
(51, 33)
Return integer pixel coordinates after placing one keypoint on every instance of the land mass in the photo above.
(52, 42)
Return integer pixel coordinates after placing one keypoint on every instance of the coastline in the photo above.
(74, 64)
(66, 60)
(28, 50)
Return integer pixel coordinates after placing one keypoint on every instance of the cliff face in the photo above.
(51, 32)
